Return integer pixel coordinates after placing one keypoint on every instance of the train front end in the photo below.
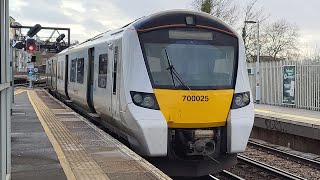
(197, 70)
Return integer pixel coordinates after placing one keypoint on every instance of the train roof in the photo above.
(161, 19)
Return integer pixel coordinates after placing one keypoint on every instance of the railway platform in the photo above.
(298, 129)
(51, 141)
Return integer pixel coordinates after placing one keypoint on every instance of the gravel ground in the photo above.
(251, 173)
(282, 163)
(220, 177)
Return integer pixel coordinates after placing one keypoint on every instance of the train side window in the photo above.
(80, 70)
(62, 70)
(73, 70)
(115, 63)
(103, 70)
(58, 70)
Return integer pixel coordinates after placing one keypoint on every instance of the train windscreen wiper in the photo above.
(173, 72)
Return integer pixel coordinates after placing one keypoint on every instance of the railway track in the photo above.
(225, 175)
(262, 170)
(267, 168)
(284, 154)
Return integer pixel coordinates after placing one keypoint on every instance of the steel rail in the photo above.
(284, 154)
(213, 177)
(270, 169)
(226, 174)
(230, 175)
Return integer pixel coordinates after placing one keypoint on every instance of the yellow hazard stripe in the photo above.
(287, 115)
(65, 165)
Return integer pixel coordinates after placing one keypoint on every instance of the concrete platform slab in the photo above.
(300, 122)
(296, 116)
(32, 154)
(298, 129)
(67, 141)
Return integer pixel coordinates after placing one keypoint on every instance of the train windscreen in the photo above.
(190, 58)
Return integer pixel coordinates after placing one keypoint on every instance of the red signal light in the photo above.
(31, 48)
(31, 45)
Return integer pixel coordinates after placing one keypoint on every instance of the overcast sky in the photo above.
(87, 18)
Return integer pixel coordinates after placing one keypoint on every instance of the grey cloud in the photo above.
(100, 15)
(44, 11)
(93, 25)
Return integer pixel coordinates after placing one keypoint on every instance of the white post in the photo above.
(30, 83)
(258, 91)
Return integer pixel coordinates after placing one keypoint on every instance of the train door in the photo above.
(115, 79)
(90, 79)
(66, 79)
(102, 80)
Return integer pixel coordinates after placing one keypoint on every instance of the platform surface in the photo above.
(289, 115)
(33, 156)
(300, 122)
(50, 141)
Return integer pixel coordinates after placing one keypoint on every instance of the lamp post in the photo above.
(257, 62)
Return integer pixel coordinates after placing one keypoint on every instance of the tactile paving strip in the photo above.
(79, 164)
(116, 160)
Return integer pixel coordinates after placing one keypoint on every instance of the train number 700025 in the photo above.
(196, 98)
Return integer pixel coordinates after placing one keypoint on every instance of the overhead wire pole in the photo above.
(258, 92)
(258, 95)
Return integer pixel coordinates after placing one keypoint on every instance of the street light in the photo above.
(257, 62)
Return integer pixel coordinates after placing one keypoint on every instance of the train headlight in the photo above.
(146, 100)
(240, 100)
(137, 98)
(190, 20)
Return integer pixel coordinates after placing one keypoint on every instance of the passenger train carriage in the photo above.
(173, 84)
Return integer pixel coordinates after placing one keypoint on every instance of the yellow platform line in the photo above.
(75, 161)
(65, 165)
(287, 115)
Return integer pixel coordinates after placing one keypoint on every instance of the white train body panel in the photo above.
(240, 121)
(150, 124)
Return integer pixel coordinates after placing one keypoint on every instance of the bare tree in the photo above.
(252, 13)
(315, 56)
(226, 10)
(280, 39)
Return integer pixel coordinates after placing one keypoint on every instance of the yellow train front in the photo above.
(197, 70)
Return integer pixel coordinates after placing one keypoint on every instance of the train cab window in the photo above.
(203, 59)
(73, 70)
(80, 70)
(103, 70)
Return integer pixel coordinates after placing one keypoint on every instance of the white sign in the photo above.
(35, 70)
(30, 65)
